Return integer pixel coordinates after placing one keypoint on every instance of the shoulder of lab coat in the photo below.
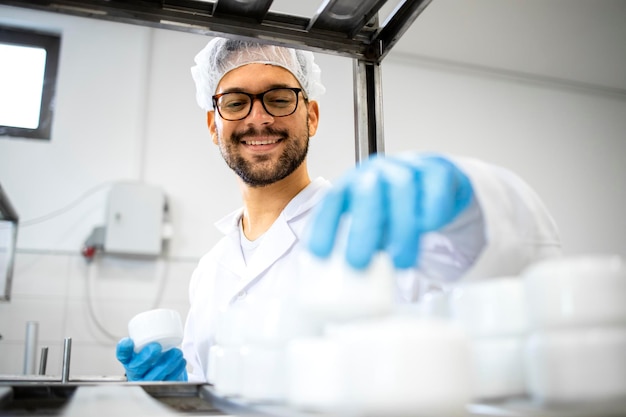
(518, 229)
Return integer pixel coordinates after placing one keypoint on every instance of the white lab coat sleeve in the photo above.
(505, 228)
(447, 254)
(518, 229)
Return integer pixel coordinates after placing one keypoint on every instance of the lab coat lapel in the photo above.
(232, 258)
(281, 238)
(276, 242)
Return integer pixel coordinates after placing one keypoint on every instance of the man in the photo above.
(445, 218)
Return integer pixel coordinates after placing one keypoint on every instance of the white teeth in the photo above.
(261, 142)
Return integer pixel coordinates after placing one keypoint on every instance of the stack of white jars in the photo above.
(248, 360)
(577, 349)
(493, 313)
(370, 359)
(224, 367)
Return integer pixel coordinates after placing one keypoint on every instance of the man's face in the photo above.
(261, 148)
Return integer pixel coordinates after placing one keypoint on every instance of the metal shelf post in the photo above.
(368, 109)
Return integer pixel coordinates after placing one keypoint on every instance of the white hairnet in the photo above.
(223, 55)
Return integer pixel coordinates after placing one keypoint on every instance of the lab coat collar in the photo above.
(301, 203)
(306, 199)
(230, 223)
(276, 241)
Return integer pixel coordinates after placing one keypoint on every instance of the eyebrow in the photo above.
(270, 87)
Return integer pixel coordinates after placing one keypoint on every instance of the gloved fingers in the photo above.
(178, 373)
(124, 350)
(183, 376)
(390, 203)
(446, 192)
(464, 191)
(167, 363)
(368, 217)
(403, 211)
(143, 362)
(326, 221)
(438, 195)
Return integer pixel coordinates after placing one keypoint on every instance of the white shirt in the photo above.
(505, 228)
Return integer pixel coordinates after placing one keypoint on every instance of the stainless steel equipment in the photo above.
(102, 398)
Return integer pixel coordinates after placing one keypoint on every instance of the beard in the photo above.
(262, 171)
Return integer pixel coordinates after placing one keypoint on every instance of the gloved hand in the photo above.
(391, 202)
(150, 364)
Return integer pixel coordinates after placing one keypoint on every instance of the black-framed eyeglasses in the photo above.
(277, 102)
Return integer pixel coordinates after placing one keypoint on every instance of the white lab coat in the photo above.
(506, 228)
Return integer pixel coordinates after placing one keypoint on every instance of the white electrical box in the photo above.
(135, 216)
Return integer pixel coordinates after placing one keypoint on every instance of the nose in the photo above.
(258, 114)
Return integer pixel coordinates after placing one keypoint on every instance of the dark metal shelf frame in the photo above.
(348, 28)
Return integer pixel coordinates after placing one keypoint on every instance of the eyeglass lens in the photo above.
(277, 102)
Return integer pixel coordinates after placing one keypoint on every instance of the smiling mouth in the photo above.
(261, 142)
(260, 137)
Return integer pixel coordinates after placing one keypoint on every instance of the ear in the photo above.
(210, 121)
(314, 117)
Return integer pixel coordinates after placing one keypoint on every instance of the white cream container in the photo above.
(492, 307)
(498, 367)
(225, 370)
(263, 374)
(314, 377)
(576, 291)
(402, 365)
(330, 290)
(162, 326)
(577, 365)
(209, 371)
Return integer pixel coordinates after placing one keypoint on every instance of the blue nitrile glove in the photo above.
(391, 202)
(150, 364)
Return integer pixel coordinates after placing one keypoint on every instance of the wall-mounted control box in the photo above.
(134, 223)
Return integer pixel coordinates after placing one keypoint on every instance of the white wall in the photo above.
(126, 111)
